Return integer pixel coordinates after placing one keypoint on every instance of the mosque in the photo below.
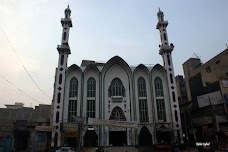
(113, 103)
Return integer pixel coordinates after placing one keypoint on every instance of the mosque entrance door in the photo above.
(117, 136)
(90, 138)
(145, 137)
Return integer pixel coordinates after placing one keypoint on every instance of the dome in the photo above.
(67, 10)
(160, 13)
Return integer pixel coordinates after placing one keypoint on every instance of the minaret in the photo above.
(166, 53)
(64, 51)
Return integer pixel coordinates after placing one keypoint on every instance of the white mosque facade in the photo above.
(114, 91)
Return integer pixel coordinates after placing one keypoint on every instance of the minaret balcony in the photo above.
(165, 49)
(66, 21)
(161, 24)
(63, 49)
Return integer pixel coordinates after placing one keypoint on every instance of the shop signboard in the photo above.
(114, 123)
(213, 98)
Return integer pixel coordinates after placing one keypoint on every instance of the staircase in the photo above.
(146, 149)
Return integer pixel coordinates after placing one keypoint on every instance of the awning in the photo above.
(43, 128)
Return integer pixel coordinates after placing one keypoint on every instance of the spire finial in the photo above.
(159, 9)
(226, 46)
(68, 5)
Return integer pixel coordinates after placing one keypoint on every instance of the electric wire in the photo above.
(21, 90)
(23, 64)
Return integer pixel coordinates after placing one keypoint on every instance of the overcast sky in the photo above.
(101, 30)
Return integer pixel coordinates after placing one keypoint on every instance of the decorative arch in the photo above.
(116, 88)
(91, 66)
(119, 61)
(73, 67)
(145, 137)
(142, 67)
(159, 68)
(117, 114)
(90, 138)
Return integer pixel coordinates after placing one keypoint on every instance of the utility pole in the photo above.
(214, 120)
(186, 130)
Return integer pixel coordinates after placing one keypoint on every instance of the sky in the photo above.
(101, 30)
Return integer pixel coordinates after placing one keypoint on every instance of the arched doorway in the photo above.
(90, 138)
(145, 137)
(117, 136)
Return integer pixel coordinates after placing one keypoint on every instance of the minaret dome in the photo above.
(67, 12)
(160, 15)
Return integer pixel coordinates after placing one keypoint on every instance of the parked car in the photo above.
(65, 149)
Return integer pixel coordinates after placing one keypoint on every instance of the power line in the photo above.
(20, 90)
(23, 64)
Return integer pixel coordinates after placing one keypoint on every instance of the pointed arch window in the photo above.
(91, 87)
(159, 95)
(117, 114)
(91, 93)
(142, 98)
(72, 104)
(73, 87)
(116, 88)
(141, 87)
(158, 87)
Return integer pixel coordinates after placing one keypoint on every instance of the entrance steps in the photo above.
(111, 149)
(120, 149)
(146, 149)
(88, 149)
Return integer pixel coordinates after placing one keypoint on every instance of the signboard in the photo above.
(202, 120)
(70, 130)
(43, 128)
(125, 124)
(70, 134)
(213, 98)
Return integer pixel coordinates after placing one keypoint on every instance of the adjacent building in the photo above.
(113, 103)
(181, 90)
(28, 128)
(207, 90)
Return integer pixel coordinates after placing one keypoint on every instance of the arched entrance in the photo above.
(90, 138)
(145, 137)
(117, 136)
(163, 137)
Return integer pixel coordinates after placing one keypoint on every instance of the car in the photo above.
(65, 149)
